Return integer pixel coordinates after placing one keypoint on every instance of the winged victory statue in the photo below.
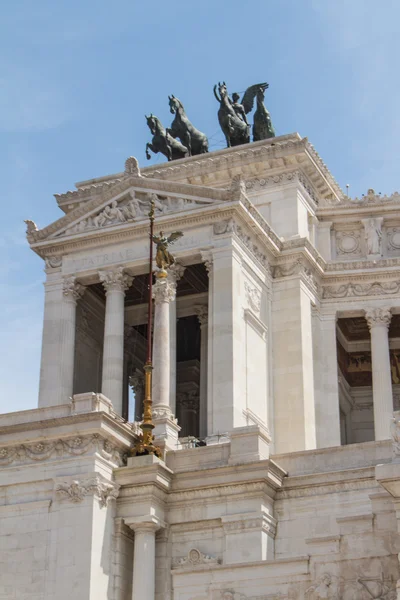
(232, 114)
(164, 259)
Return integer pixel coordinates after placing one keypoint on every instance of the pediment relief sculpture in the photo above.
(132, 208)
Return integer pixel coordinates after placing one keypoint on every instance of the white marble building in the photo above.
(276, 345)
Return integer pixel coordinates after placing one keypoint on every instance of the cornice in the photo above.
(265, 150)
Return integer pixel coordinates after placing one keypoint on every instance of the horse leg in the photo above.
(150, 147)
(188, 143)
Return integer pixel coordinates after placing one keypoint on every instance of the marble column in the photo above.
(175, 273)
(166, 430)
(378, 320)
(144, 558)
(72, 291)
(163, 293)
(202, 315)
(115, 282)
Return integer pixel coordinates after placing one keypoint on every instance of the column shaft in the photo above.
(72, 291)
(164, 293)
(115, 283)
(202, 315)
(327, 415)
(378, 321)
(143, 582)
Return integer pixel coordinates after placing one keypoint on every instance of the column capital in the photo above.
(378, 317)
(164, 291)
(72, 289)
(147, 523)
(202, 313)
(115, 279)
(175, 273)
(207, 258)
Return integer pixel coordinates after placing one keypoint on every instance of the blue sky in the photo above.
(76, 79)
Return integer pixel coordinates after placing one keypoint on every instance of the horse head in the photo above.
(174, 104)
(222, 89)
(153, 123)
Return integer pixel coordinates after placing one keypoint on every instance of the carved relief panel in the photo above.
(391, 236)
(349, 243)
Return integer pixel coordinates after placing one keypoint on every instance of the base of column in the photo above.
(166, 429)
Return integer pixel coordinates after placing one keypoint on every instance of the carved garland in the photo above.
(41, 451)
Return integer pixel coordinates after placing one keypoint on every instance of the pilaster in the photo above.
(227, 392)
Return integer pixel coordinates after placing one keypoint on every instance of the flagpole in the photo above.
(145, 445)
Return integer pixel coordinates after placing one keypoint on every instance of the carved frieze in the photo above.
(282, 179)
(193, 559)
(75, 491)
(77, 446)
(331, 587)
(361, 289)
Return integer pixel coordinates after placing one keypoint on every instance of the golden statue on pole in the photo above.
(164, 260)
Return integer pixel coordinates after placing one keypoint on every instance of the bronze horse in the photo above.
(195, 141)
(163, 142)
(235, 129)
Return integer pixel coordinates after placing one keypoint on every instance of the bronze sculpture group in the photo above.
(182, 139)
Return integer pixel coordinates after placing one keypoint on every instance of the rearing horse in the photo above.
(236, 131)
(194, 140)
(163, 142)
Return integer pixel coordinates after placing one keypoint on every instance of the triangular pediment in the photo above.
(128, 201)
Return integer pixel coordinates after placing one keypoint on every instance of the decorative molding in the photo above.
(299, 267)
(160, 411)
(72, 289)
(247, 521)
(115, 279)
(132, 167)
(194, 558)
(242, 489)
(75, 446)
(377, 317)
(253, 248)
(292, 593)
(282, 179)
(358, 289)
(363, 264)
(53, 262)
(224, 226)
(75, 491)
(253, 296)
(255, 322)
(164, 291)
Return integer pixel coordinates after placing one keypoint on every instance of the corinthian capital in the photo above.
(164, 291)
(72, 290)
(115, 280)
(202, 313)
(378, 317)
(175, 273)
